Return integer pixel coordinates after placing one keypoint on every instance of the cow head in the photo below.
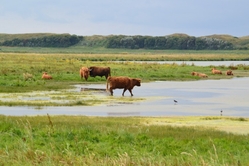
(136, 81)
(90, 69)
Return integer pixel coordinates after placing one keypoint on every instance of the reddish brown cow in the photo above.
(215, 71)
(199, 74)
(46, 76)
(202, 75)
(100, 71)
(84, 72)
(194, 73)
(122, 82)
(229, 72)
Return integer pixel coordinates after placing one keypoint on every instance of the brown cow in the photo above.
(194, 73)
(229, 72)
(199, 74)
(84, 72)
(202, 75)
(122, 82)
(215, 71)
(100, 71)
(46, 76)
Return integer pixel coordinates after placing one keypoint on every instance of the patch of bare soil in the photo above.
(228, 124)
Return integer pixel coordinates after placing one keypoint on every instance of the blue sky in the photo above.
(129, 17)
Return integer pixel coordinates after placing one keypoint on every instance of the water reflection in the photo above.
(205, 97)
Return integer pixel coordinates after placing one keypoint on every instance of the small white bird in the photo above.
(175, 101)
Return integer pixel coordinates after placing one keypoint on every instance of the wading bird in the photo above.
(175, 101)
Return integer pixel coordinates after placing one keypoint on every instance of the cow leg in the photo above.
(131, 92)
(111, 91)
(124, 91)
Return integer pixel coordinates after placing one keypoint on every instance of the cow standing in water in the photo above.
(100, 71)
(84, 72)
(122, 82)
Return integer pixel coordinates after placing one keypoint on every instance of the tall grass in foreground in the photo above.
(79, 140)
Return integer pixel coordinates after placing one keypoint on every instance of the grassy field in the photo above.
(135, 54)
(79, 140)
(15, 69)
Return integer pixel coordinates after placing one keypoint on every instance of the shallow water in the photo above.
(198, 98)
(201, 63)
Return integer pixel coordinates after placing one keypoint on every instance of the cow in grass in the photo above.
(45, 76)
(122, 82)
(99, 71)
(199, 74)
(84, 72)
(215, 71)
(202, 75)
(194, 73)
(229, 72)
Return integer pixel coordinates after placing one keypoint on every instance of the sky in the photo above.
(125, 17)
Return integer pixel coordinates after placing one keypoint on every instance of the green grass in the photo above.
(21, 73)
(65, 70)
(79, 140)
(138, 54)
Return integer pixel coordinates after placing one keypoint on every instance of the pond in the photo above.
(227, 97)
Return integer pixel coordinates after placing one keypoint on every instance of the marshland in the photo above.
(93, 140)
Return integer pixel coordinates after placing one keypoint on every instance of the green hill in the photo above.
(239, 42)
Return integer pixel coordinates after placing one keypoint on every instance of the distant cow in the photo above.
(215, 71)
(99, 71)
(84, 72)
(122, 82)
(229, 72)
(199, 74)
(46, 76)
(202, 75)
(194, 73)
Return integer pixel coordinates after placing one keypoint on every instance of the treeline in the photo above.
(175, 41)
(168, 42)
(56, 40)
